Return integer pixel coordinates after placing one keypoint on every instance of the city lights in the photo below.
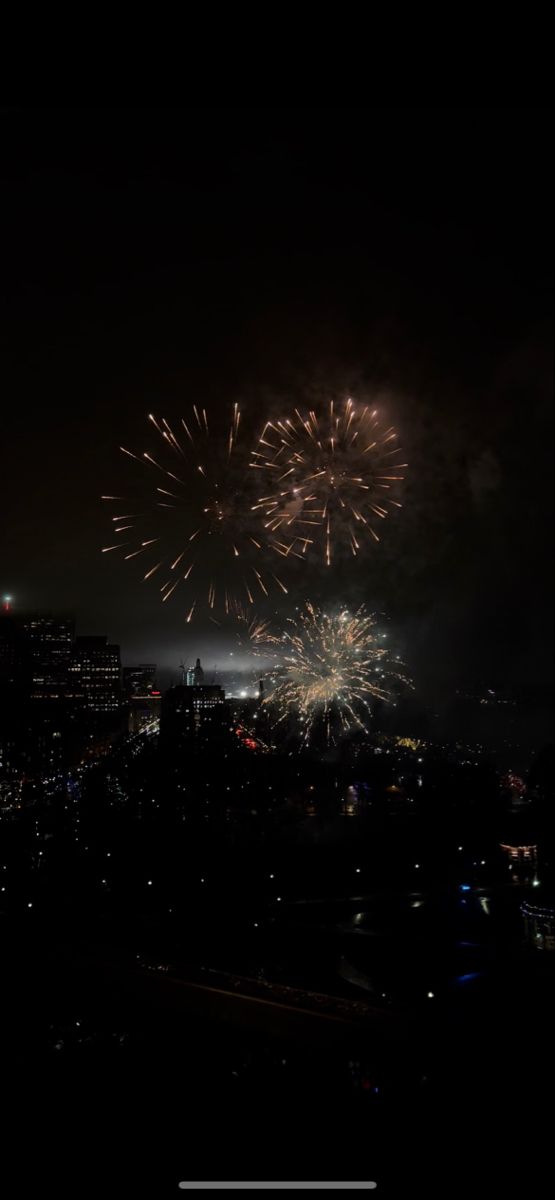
(277, 600)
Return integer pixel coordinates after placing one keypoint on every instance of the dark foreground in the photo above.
(131, 1080)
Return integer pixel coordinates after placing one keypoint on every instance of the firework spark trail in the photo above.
(255, 632)
(193, 507)
(336, 469)
(329, 668)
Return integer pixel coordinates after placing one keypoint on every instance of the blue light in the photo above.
(471, 975)
(465, 887)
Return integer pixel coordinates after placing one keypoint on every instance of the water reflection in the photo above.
(407, 957)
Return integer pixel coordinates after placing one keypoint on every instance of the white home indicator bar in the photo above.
(190, 1185)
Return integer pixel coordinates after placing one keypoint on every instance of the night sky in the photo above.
(155, 257)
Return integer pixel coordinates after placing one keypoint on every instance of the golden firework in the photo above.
(330, 477)
(191, 519)
(330, 667)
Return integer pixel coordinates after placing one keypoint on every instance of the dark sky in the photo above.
(150, 257)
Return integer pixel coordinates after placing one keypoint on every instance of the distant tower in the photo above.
(261, 691)
(193, 676)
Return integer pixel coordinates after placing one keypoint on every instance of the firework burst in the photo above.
(256, 633)
(188, 519)
(330, 668)
(329, 479)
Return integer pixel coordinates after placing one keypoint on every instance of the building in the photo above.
(195, 675)
(48, 641)
(141, 697)
(35, 653)
(194, 718)
(539, 925)
(142, 712)
(95, 677)
(139, 681)
(521, 856)
(57, 695)
(13, 656)
(522, 860)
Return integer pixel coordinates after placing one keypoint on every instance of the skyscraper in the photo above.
(95, 676)
(141, 697)
(35, 654)
(195, 675)
(48, 640)
(13, 656)
(138, 681)
(194, 717)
